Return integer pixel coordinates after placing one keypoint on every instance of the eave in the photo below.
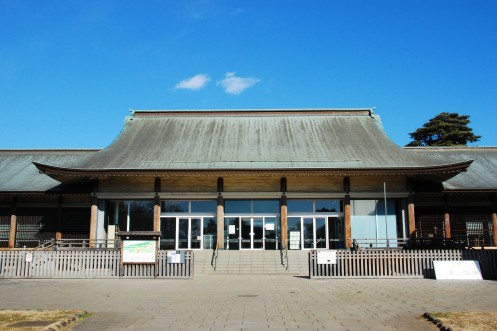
(441, 172)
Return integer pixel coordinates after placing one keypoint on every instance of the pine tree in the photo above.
(445, 129)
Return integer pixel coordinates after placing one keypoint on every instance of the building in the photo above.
(252, 179)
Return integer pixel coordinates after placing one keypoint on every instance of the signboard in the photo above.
(231, 229)
(457, 270)
(327, 257)
(29, 257)
(294, 239)
(175, 256)
(139, 251)
(270, 227)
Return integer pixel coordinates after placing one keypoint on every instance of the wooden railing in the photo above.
(88, 264)
(397, 263)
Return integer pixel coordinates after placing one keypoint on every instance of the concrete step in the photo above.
(251, 262)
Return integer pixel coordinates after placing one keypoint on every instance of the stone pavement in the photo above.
(251, 302)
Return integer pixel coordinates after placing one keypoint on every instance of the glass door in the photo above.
(252, 233)
(232, 233)
(271, 233)
(258, 233)
(189, 234)
(314, 233)
(246, 233)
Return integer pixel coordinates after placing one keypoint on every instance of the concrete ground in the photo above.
(251, 302)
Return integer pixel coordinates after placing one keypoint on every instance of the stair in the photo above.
(251, 262)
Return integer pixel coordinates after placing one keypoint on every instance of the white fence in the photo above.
(88, 264)
(397, 263)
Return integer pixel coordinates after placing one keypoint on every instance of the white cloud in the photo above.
(236, 85)
(194, 83)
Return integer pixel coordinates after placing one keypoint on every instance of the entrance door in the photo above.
(189, 233)
(252, 232)
(314, 232)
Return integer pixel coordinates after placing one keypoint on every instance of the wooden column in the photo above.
(58, 232)
(93, 221)
(446, 218)
(411, 216)
(284, 214)
(220, 214)
(347, 216)
(13, 225)
(157, 213)
(494, 221)
(347, 222)
(284, 222)
(220, 222)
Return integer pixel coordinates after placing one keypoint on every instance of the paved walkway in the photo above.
(251, 302)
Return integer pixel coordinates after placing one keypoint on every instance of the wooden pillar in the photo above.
(411, 216)
(347, 222)
(157, 212)
(220, 222)
(347, 216)
(284, 222)
(13, 225)
(58, 231)
(446, 218)
(93, 221)
(284, 214)
(494, 221)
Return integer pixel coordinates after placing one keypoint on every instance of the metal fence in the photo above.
(397, 264)
(88, 264)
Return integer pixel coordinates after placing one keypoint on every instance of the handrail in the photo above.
(111, 244)
(215, 253)
(411, 243)
(49, 244)
(284, 255)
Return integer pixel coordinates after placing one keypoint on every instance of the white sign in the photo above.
(270, 226)
(175, 256)
(139, 251)
(29, 257)
(294, 239)
(327, 257)
(231, 229)
(457, 270)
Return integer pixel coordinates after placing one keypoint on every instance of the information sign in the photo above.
(294, 239)
(457, 270)
(175, 256)
(327, 257)
(139, 251)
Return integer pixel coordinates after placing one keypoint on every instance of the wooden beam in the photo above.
(58, 231)
(220, 222)
(93, 221)
(157, 185)
(13, 225)
(284, 222)
(446, 218)
(283, 185)
(494, 220)
(411, 216)
(157, 212)
(220, 185)
(347, 221)
(346, 185)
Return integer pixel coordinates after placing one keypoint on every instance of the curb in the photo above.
(62, 324)
(437, 322)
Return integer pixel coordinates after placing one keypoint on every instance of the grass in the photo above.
(34, 320)
(468, 321)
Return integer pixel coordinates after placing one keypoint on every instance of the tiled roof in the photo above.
(249, 140)
(481, 175)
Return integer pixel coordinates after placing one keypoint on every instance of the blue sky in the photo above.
(71, 70)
